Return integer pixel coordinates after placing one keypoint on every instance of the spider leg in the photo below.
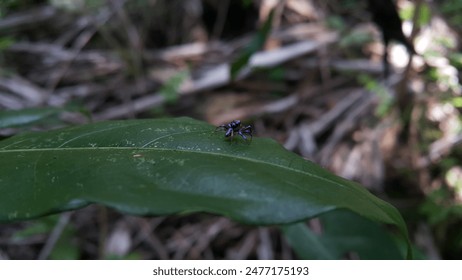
(221, 127)
(229, 132)
(242, 134)
(246, 132)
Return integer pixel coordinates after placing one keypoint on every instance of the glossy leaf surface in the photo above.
(165, 166)
(343, 234)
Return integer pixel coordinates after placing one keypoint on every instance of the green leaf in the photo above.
(255, 45)
(385, 99)
(342, 232)
(166, 166)
(306, 244)
(66, 248)
(5, 43)
(170, 90)
(29, 116)
(240, 63)
(39, 226)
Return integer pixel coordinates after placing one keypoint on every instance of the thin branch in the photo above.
(54, 236)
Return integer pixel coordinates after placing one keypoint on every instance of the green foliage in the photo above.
(456, 102)
(64, 249)
(25, 119)
(452, 10)
(37, 227)
(385, 99)
(343, 232)
(166, 166)
(255, 45)
(5, 42)
(28, 117)
(170, 90)
(276, 74)
(5, 5)
(246, 3)
(355, 38)
(440, 208)
(336, 23)
(349, 4)
(456, 60)
(424, 14)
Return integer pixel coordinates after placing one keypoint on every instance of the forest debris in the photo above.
(304, 8)
(363, 101)
(278, 106)
(27, 19)
(71, 59)
(286, 53)
(187, 51)
(353, 65)
(439, 149)
(243, 249)
(48, 59)
(30, 94)
(325, 121)
(265, 248)
(365, 163)
(148, 235)
(219, 76)
(119, 242)
(305, 134)
(218, 226)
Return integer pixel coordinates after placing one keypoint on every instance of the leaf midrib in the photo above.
(42, 150)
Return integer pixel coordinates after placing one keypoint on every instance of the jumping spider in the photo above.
(236, 127)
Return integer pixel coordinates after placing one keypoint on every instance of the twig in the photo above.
(27, 18)
(359, 65)
(278, 106)
(188, 51)
(56, 54)
(54, 236)
(265, 249)
(31, 94)
(207, 237)
(245, 248)
(82, 40)
(364, 102)
(146, 233)
(320, 125)
(220, 76)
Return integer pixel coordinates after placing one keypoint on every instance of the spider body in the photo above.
(236, 127)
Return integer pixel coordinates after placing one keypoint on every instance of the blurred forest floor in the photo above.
(316, 87)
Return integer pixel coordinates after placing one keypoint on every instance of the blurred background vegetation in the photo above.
(311, 78)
